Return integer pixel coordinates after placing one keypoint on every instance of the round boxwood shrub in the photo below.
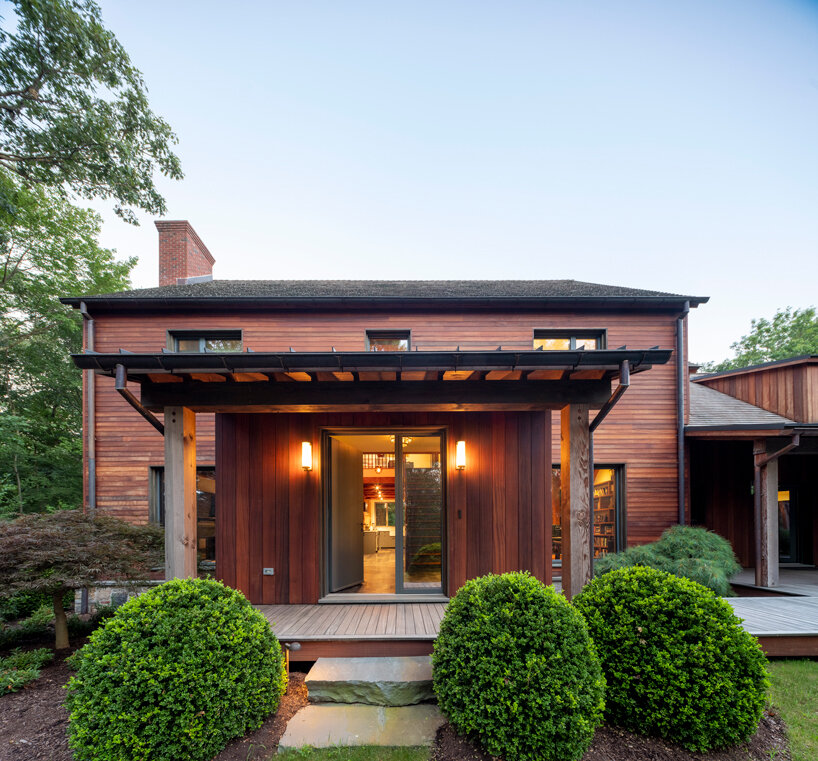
(515, 669)
(677, 662)
(176, 673)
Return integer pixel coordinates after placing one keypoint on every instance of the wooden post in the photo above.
(765, 504)
(575, 476)
(180, 493)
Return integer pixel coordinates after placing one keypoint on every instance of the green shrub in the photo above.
(23, 604)
(19, 668)
(677, 662)
(691, 552)
(515, 669)
(40, 626)
(175, 673)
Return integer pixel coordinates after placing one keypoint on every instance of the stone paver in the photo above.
(377, 681)
(328, 725)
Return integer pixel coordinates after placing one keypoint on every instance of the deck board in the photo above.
(762, 616)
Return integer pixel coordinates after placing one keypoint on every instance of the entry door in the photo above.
(346, 516)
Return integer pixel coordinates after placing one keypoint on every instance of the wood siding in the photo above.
(721, 474)
(640, 433)
(788, 390)
(270, 512)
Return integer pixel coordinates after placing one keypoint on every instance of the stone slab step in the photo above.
(376, 681)
(329, 725)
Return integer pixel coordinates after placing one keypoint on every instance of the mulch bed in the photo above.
(33, 725)
(612, 744)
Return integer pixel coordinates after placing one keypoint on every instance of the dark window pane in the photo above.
(188, 344)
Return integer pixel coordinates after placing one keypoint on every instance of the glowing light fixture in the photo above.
(306, 455)
(460, 455)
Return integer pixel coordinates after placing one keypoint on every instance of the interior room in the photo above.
(385, 513)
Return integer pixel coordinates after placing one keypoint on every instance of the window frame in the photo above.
(388, 334)
(188, 334)
(601, 335)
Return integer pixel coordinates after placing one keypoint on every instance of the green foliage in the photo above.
(20, 668)
(23, 604)
(790, 333)
(515, 669)
(427, 555)
(39, 627)
(677, 662)
(48, 249)
(176, 673)
(74, 111)
(691, 552)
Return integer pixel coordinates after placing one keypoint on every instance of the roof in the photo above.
(713, 410)
(305, 293)
(802, 359)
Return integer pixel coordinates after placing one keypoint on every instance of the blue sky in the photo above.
(665, 145)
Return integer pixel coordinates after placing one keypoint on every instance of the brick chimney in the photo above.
(181, 252)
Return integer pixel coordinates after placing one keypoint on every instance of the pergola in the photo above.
(181, 384)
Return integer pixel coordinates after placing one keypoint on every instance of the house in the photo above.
(753, 456)
(319, 440)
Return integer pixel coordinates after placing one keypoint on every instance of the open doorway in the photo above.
(385, 495)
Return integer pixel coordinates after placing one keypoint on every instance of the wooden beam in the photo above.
(180, 493)
(765, 506)
(320, 396)
(575, 478)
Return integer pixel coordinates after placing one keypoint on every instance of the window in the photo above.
(562, 340)
(609, 511)
(387, 340)
(205, 511)
(200, 342)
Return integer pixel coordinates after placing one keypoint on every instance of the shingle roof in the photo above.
(332, 290)
(714, 410)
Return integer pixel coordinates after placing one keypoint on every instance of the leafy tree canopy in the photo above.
(74, 111)
(790, 333)
(47, 248)
(66, 550)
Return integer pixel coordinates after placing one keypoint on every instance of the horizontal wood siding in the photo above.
(640, 432)
(269, 511)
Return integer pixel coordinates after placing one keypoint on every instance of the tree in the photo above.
(790, 333)
(47, 248)
(66, 550)
(74, 111)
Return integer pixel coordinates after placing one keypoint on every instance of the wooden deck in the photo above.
(347, 630)
(783, 625)
(801, 582)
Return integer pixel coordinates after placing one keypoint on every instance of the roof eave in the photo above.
(307, 303)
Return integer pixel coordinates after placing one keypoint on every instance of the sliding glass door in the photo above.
(395, 546)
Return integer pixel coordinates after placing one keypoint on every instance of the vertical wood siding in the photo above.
(270, 512)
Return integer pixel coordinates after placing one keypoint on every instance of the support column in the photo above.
(575, 477)
(180, 493)
(766, 515)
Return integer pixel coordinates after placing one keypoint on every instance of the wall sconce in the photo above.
(460, 455)
(306, 455)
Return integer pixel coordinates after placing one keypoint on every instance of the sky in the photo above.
(670, 146)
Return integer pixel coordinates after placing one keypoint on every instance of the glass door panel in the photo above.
(420, 514)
